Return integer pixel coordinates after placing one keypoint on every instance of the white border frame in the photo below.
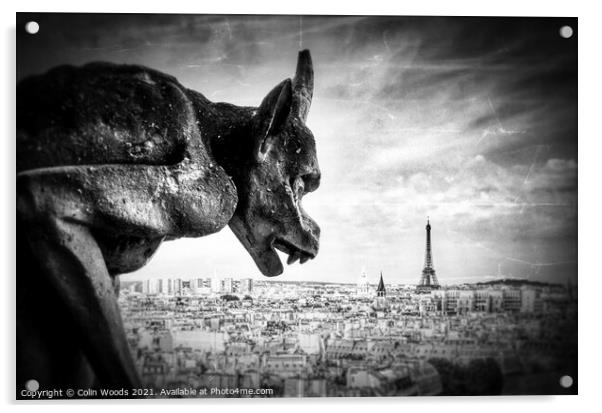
(589, 195)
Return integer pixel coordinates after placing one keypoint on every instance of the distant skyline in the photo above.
(470, 121)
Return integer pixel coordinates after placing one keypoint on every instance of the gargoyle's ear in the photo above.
(272, 116)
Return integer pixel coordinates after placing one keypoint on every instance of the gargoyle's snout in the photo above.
(300, 244)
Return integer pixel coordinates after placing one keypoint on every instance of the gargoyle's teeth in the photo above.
(293, 258)
(304, 259)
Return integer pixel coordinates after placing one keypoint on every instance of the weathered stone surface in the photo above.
(111, 161)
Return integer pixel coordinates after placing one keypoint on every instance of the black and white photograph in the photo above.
(214, 206)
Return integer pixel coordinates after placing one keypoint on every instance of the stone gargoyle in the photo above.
(112, 160)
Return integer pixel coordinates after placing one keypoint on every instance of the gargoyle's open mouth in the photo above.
(263, 250)
(294, 253)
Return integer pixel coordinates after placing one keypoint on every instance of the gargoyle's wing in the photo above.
(101, 114)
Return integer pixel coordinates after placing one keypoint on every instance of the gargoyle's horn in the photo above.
(303, 85)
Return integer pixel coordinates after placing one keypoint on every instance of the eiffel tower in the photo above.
(428, 280)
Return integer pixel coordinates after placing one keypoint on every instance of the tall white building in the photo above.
(227, 285)
(215, 283)
(178, 286)
(151, 286)
(246, 286)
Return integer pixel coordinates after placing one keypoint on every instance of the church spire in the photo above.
(380, 291)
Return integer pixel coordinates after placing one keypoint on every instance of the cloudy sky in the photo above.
(470, 121)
